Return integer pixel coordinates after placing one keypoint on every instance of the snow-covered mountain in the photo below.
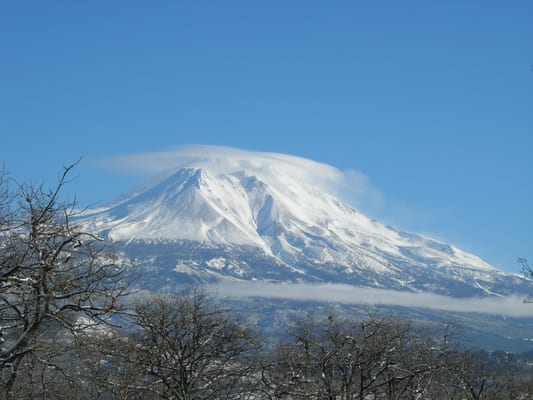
(269, 218)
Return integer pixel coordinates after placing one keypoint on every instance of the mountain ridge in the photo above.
(291, 229)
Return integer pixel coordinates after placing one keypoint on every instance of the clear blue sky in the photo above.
(432, 101)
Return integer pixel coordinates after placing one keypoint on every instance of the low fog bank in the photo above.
(511, 306)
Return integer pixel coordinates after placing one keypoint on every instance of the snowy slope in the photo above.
(272, 220)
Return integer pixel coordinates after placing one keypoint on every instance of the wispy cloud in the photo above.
(350, 185)
(511, 306)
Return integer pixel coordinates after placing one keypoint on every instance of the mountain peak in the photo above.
(287, 227)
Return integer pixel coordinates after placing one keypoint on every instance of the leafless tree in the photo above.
(53, 275)
(342, 359)
(108, 363)
(371, 358)
(190, 349)
(468, 375)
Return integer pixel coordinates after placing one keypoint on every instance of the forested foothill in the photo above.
(70, 328)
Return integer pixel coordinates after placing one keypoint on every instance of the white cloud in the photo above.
(356, 187)
(351, 186)
(511, 306)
